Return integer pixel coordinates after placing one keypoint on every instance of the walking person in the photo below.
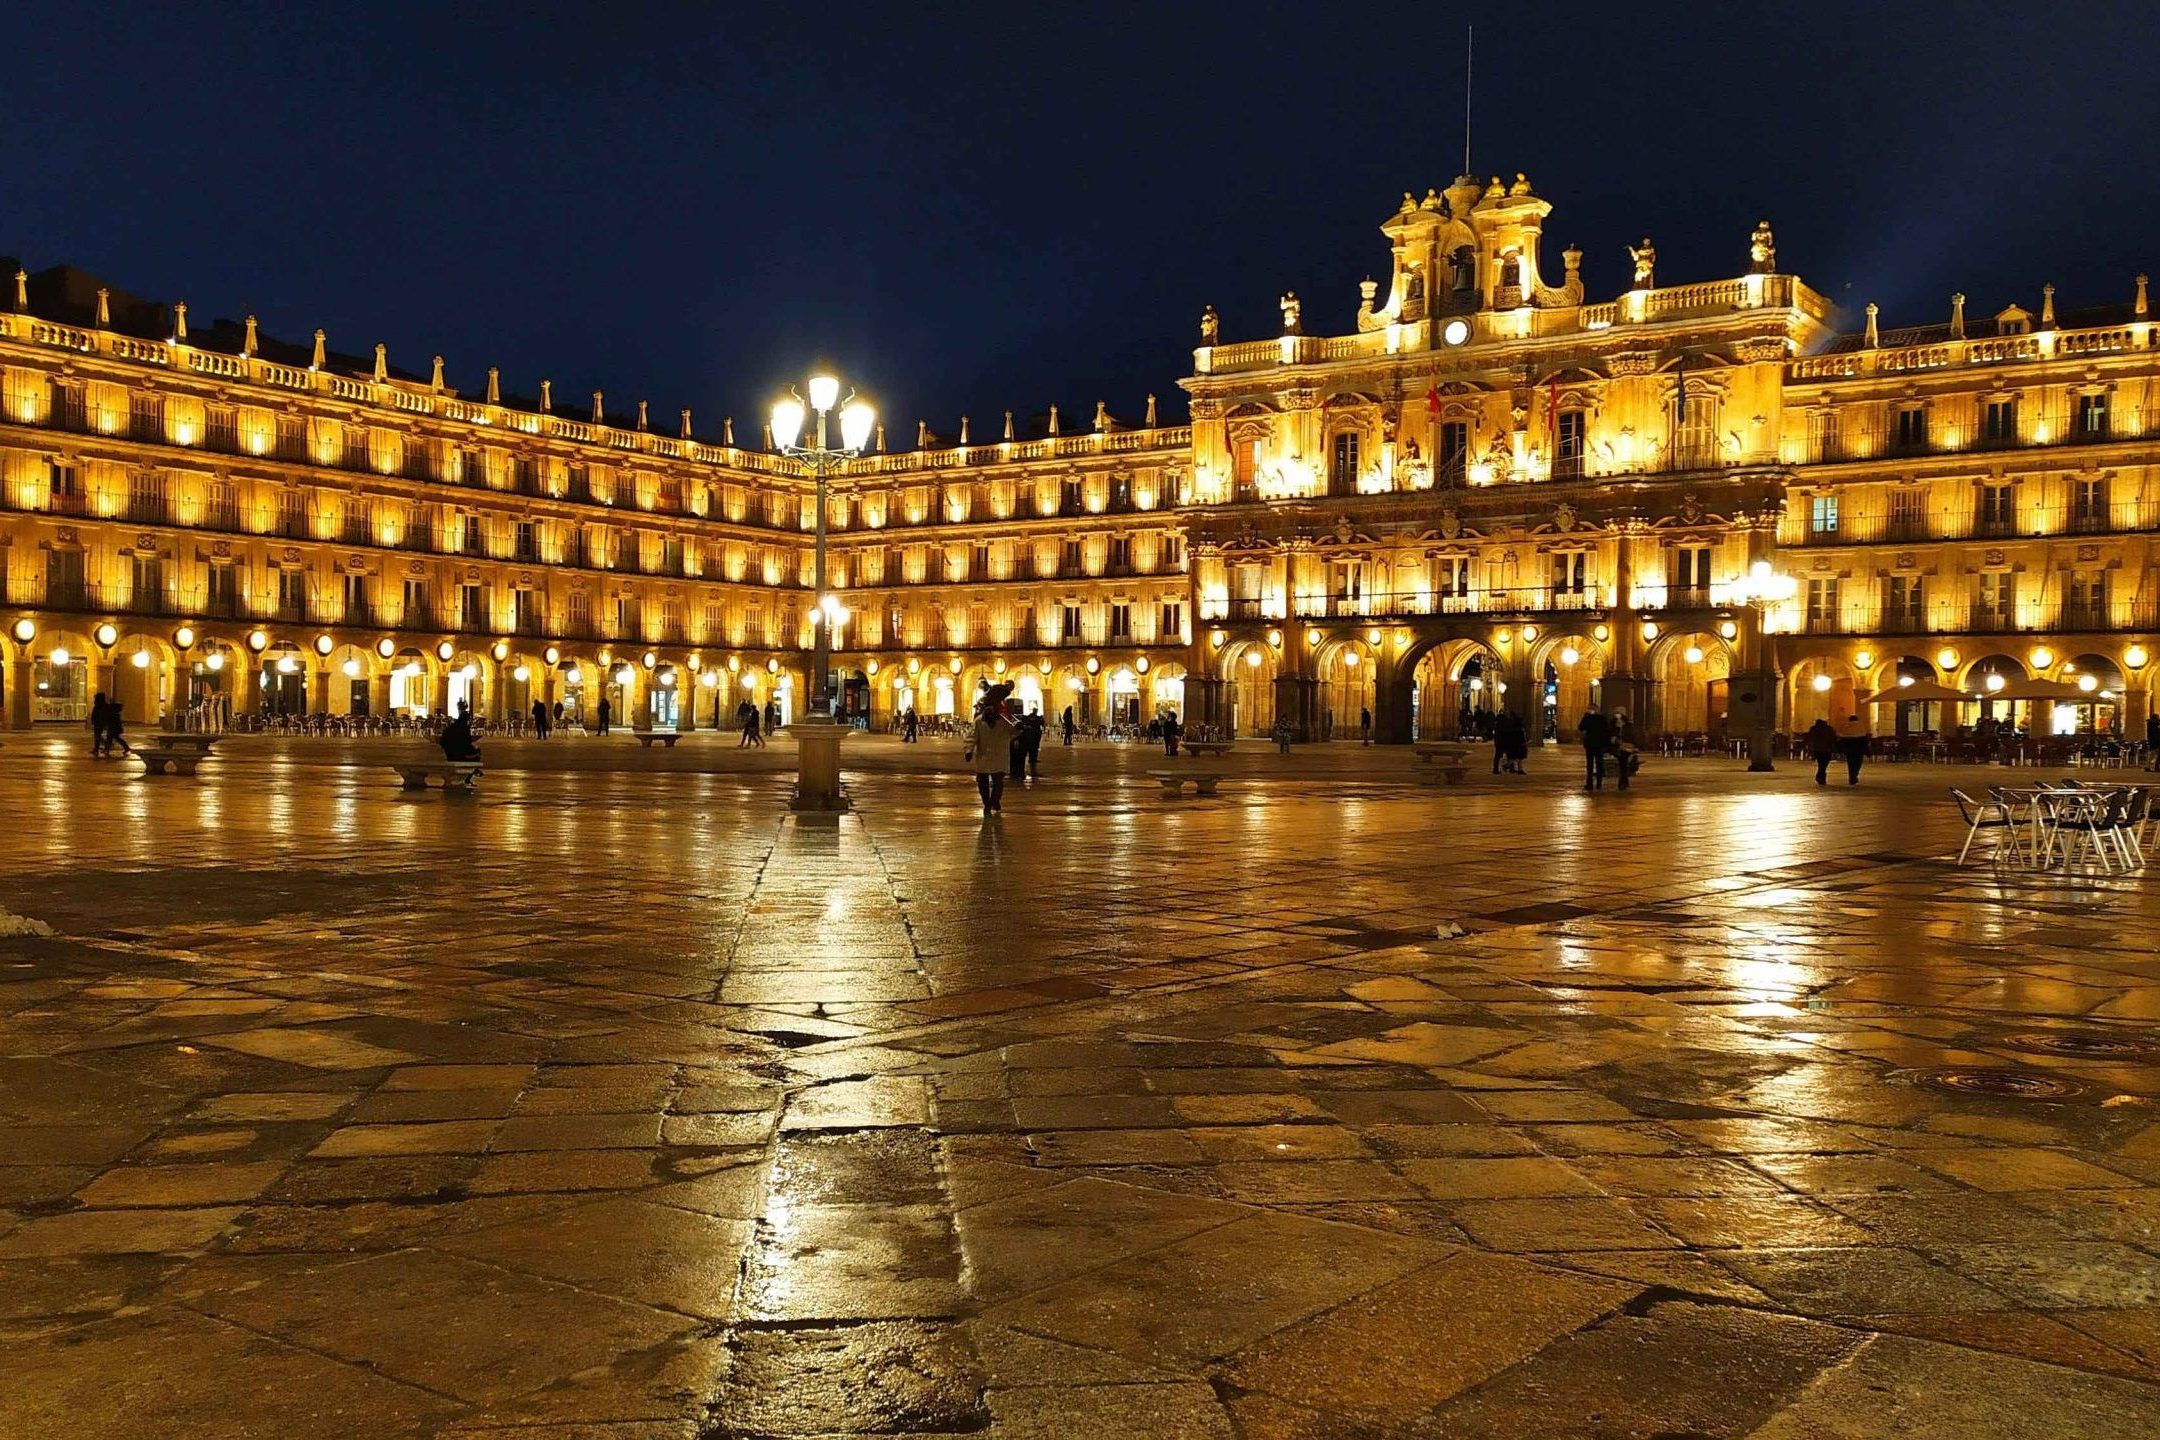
(910, 727)
(1364, 725)
(1282, 733)
(115, 723)
(1501, 759)
(1596, 738)
(1068, 727)
(772, 719)
(555, 720)
(607, 713)
(1016, 765)
(1627, 757)
(97, 726)
(1032, 731)
(989, 747)
(540, 720)
(1852, 732)
(1822, 748)
(1172, 732)
(2152, 740)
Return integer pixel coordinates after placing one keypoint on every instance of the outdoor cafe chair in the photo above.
(1993, 813)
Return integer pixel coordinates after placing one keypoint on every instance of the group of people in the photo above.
(106, 723)
(755, 723)
(1608, 742)
(1510, 743)
(1826, 742)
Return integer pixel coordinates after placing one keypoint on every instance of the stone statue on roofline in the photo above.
(1645, 258)
(1210, 326)
(1293, 310)
(1762, 250)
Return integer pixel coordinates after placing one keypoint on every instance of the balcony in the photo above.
(2086, 615)
(67, 595)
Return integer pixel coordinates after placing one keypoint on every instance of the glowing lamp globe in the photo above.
(787, 422)
(856, 421)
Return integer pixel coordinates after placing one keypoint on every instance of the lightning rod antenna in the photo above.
(1468, 56)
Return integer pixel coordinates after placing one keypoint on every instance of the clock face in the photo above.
(1456, 332)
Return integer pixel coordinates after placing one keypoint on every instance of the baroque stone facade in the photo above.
(1700, 504)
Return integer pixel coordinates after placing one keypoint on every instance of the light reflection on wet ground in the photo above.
(602, 1102)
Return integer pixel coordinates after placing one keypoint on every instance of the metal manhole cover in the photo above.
(1996, 1084)
(2080, 1044)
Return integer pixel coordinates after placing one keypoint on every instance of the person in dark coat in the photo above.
(540, 720)
(1852, 733)
(1822, 749)
(1068, 727)
(1172, 731)
(1032, 730)
(457, 737)
(607, 713)
(98, 744)
(2152, 740)
(1626, 757)
(1596, 738)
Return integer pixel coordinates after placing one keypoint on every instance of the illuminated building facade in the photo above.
(1699, 504)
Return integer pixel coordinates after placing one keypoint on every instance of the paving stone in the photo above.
(1719, 1371)
(1901, 1387)
(881, 1377)
(1374, 1360)
(172, 1373)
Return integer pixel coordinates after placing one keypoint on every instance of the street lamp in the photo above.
(820, 458)
(817, 737)
(1761, 589)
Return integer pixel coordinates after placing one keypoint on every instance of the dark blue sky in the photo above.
(983, 207)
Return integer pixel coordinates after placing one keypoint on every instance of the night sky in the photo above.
(980, 208)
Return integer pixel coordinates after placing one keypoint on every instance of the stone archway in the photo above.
(1249, 668)
(1347, 669)
(1693, 674)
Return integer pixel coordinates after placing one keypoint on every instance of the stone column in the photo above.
(1625, 685)
(1393, 683)
(19, 666)
(1754, 689)
(1204, 696)
(319, 688)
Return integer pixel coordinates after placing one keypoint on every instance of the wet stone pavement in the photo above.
(606, 1105)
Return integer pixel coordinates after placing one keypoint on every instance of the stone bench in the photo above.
(177, 753)
(450, 772)
(1438, 761)
(1207, 747)
(1173, 782)
(645, 738)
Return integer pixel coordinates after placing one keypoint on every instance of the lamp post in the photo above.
(1760, 589)
(817, 736)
